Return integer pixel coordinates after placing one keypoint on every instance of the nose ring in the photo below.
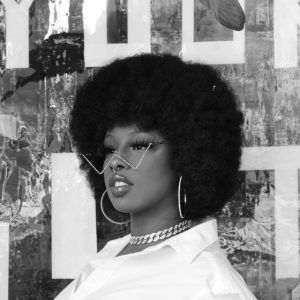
(117, 168)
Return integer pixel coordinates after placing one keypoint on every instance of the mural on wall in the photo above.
(246, 229)
(34, 114)
(117, 22)
(39, 99)
(206, 26)
(228, 13)
(166, 26)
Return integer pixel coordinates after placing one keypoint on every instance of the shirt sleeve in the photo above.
(223, 281)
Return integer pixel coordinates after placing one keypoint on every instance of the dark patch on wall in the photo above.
(117, 12)
(2, 38)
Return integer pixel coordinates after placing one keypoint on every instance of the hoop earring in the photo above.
(106, 216)
(179, 200)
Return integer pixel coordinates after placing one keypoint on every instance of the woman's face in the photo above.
(152, 187)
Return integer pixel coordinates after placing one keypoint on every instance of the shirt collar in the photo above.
(192, 242)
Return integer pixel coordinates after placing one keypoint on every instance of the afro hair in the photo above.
(189, 103)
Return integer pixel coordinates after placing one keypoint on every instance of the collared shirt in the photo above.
(187, 266)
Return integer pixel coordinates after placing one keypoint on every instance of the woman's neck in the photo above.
(148, 222)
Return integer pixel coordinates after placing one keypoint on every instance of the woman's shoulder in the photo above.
(222, 277)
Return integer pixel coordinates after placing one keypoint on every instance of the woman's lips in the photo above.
(120, 191)
(118, 178)
(119, 185)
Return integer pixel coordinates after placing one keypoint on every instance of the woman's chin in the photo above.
(127, 203)
(123, 204)
(126, 207)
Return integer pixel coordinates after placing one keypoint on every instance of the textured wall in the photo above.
(38, 98)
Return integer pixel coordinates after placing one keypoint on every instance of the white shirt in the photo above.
(187, 266)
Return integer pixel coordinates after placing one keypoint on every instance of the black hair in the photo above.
(188, 103)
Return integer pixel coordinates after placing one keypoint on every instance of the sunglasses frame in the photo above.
(123, 159)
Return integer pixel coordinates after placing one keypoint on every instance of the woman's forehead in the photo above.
(130, 130)
(117, 128)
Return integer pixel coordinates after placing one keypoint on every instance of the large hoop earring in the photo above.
(179, 199)
(106, 216)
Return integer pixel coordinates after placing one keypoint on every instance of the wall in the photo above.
(49, 47)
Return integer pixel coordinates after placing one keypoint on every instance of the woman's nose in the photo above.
(117, 164)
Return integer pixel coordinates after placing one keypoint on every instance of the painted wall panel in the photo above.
(212, 52)
(74, 240)
(97, 49)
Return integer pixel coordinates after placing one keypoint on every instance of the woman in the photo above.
(160, 141)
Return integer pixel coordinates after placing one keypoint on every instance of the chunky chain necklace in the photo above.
(160, 235)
